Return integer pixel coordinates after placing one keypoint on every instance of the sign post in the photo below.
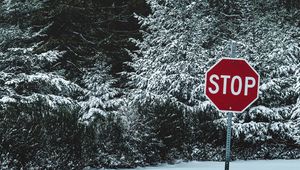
(228, 140)
(229, 122)
(232, 86)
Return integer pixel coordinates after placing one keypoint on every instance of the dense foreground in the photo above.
(236, 165)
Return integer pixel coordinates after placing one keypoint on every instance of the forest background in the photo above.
(119, 83)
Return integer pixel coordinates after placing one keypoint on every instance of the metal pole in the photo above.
(229, 121)
(233, 49)
(228, 140)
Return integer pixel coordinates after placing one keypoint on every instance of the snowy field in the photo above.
(236, 165)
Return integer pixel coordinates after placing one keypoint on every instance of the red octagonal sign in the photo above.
(232, 84)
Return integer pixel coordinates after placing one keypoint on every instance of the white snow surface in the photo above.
(235, 165)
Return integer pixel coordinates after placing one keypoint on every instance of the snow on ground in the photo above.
(236, 165)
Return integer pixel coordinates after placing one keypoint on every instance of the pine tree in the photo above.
(39, 111)
(70, 52)
(169, 69)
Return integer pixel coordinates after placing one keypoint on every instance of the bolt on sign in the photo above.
(232, 84)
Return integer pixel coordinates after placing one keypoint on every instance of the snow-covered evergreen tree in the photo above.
(182, 39)
(100, 97)
(168, 64)
(36, 89)
(169, 69)
(37, 102)
(270, 44)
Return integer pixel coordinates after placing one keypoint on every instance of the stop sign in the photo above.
(232, 84)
